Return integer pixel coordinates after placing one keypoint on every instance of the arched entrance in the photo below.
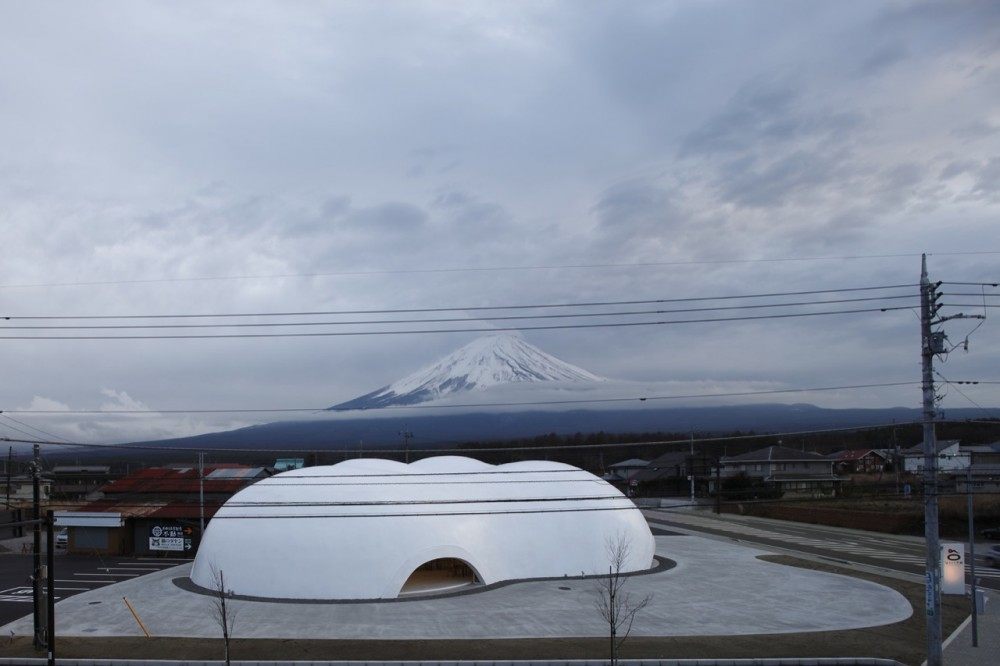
(445, 574)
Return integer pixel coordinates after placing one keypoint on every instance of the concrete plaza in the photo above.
(716, 588)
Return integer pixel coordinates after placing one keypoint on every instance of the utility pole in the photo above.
(972, 555)
(930, 344)
(50, 582)
(10, 462)
(201, 496)
(36, 576)
(896, 459)
(718, 486)
(690, 467)
(407, 436)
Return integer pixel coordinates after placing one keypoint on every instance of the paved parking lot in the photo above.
(74, 574)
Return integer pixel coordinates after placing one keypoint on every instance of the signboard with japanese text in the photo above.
(169, 537)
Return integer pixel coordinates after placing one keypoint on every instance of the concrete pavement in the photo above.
(958, 650)
(716, 589)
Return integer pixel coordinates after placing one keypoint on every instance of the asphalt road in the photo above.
(73, 574)
(886, 551)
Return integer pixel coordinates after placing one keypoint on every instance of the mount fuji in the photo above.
(480, 365)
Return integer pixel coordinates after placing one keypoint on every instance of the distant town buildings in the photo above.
(154, 510)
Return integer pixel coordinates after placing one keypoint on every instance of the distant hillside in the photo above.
(438, 431)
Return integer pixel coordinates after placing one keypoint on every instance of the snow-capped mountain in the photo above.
(483, 363)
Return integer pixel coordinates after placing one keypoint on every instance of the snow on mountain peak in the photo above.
(487, 361)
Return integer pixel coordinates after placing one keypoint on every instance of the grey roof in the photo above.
(631, 462)
(669, 459)
(81, 469)
(979, 448)
(918, 449)
(669, 465)
(779, 453)
(235, 473)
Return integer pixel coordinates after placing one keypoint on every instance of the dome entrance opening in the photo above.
(441, 575)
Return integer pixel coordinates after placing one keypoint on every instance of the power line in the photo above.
(449, 330)
(469, 449)
(44, 433)
(470, 308)
(973, 284)
(484, 269)
(574, 315)
(729, 394)
(962, 393)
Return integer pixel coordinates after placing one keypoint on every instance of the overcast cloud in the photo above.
(151, 141)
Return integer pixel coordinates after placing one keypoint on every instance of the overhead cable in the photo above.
(729, 394)
(451, 330)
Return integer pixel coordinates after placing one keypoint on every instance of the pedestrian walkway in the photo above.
(958, 651)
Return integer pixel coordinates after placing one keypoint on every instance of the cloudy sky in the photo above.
(328, 156)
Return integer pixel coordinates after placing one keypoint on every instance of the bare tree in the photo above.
(617, 605)
(222, 610)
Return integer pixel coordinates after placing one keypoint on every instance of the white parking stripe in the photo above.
(126, 569)
(108, 574)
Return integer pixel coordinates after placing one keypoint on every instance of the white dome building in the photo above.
(379, 529)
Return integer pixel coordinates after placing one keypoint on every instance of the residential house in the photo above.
(860, 461)
(625, 470)
(984, 465)
(790, 471)
(19, 489)
(75, 482)
(670, 474)
(949, 457)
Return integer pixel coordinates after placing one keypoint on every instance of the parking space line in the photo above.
(126, 569)
(108, 574)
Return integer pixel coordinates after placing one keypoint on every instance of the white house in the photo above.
(949, 457)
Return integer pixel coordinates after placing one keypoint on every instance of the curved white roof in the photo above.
(358, 529)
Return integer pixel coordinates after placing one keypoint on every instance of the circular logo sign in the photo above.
(157, 531)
